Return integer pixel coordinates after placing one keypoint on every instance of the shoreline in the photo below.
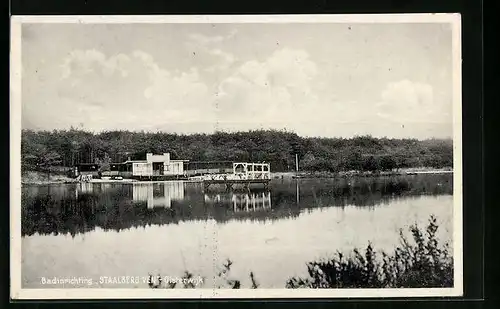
(110, 181)
(26, 180)
(348, 174)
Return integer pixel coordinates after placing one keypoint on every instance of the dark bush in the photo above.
(421, 264)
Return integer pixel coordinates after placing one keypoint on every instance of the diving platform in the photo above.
(244, 174)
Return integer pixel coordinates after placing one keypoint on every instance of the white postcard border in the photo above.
(17, 292)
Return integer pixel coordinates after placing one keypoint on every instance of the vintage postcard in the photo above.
(289, 156)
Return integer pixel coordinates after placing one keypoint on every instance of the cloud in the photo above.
(285, 90)
(275, 92)
(80, 62)
(132, 90)
(408, 101)
(205, 39)
(225, 60)
(227, 56)
(222, 60)
(120, 91)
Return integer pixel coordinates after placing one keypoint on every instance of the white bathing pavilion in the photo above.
(154, 167)
(157, 165)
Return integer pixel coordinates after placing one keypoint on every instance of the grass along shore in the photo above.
(41, 178)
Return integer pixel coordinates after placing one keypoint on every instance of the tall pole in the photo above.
(296, 163)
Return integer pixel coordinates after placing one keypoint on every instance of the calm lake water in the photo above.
(93, 230)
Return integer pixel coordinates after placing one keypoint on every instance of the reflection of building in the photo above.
(218, 198)
(158, 194)
(251, 201)
(242, 201)
(85, 187)
(92, 188)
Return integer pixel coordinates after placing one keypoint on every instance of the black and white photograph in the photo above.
(236, 156)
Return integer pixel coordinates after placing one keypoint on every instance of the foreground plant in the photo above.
(421, 263)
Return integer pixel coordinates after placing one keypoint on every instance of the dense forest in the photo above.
(64, 148)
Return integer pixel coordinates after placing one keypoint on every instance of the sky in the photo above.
(315, 79)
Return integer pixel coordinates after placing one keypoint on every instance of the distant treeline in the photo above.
(68, 147)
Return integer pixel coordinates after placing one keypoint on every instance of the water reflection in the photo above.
(80, 208)
(298, 193)
(167, 228)
(248, 201)
(158, 194)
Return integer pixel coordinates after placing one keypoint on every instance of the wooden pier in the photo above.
(229, 183)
